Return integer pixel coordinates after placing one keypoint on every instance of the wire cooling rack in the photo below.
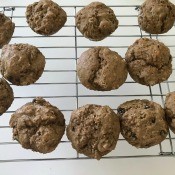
(59, 83)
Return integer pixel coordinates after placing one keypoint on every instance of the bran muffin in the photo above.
(6, 95)
(142, 123)
(96, 21)
(7, 28)
(101, 69)
(170, 110)
(22, 64)
(93, 130)
(149, 61)
(156, 16)
(38, 126)
(45, 17)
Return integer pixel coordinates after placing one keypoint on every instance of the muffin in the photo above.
(45, 17)
(93, 130)
(21, 64)
(96, 21)
(170, 110)
(149, 61)
(7, 28)
(142, 123)
(38, 126)
(156, 16)
(101, 69)
(6, 96)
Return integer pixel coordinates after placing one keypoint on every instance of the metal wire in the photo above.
(77, 84)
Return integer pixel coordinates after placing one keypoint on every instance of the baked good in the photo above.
(38, 126)
(21, 64)
(93, 130)
(142, 123)
(156, 16)
(7, 28)
(149, 61)
(6, 96)
(45, 17)
(96, 21)
(101, 69)
(170, 110)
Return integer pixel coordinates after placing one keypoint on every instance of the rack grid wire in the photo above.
(63, 67)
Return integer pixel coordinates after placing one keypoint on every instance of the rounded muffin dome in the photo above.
(149, 61)
(101, 69)
(96, 21)
(45, 17)
(156, 16)
(7, 28)
(22, 64)
(38, 126)
(93, 130)
(142, 123)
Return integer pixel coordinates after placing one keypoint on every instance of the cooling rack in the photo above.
(60, 85)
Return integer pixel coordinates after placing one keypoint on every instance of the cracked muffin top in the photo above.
(96, 21)
(38, 126)
(45, 17)
(142, 123)
(156, 16)
(149, 61)
(101, 69)
(6, 96)
(93, 130)
(22, 64)
(7, 28)
(170, 110)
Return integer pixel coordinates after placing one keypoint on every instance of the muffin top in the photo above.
(6, 95)
(149, 61)
(93, 130)
(101, 69)
(142, 123)
(96, 21)
(170, 110)
(22, 64)
(156, 16)
(7, 28)
(38, 125)
(45, 17)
